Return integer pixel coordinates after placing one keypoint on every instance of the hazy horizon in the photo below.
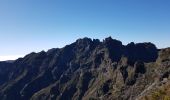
(36, 25)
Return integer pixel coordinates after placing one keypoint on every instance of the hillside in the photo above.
(89, 70)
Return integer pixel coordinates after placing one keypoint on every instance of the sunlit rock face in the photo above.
(85, 70)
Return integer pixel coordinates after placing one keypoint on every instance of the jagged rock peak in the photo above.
(111, 41)
(84, 40)
(146, 52)
(145, 45)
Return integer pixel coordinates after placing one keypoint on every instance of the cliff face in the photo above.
(86, 69)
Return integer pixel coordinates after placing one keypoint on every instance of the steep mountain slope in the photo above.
(87, 70)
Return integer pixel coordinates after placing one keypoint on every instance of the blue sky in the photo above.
(35, 25)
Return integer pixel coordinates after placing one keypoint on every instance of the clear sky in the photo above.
(35, 25)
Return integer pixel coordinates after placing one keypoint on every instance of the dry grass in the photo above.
(161, 93)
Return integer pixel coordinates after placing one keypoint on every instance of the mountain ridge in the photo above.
(86, 69)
